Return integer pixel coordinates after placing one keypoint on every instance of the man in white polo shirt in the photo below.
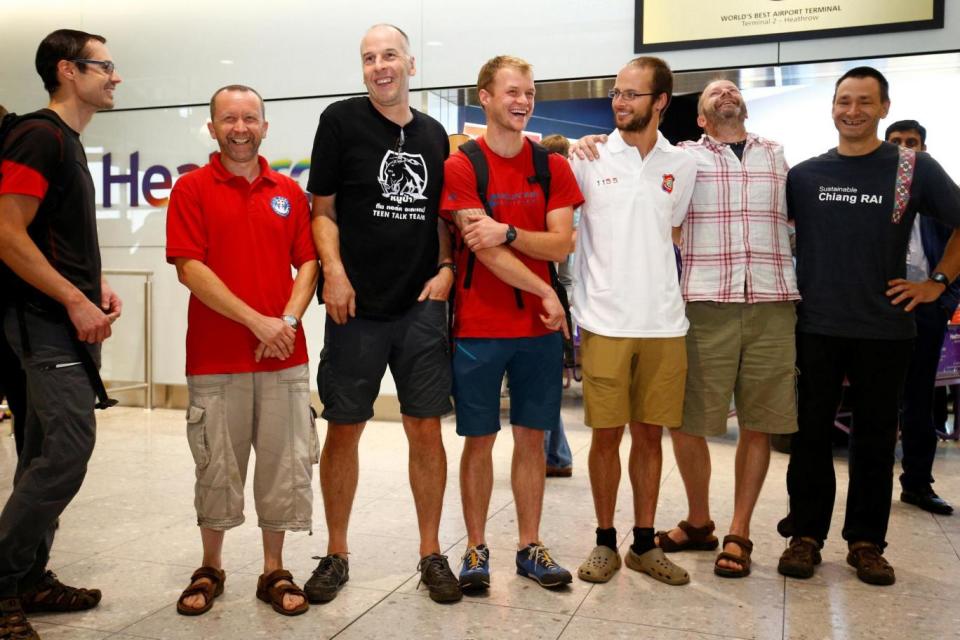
(628, 305)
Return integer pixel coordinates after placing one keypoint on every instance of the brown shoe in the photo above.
(559, 472)
(698, 538)
(871, 566)
(799, 558)
(13, 622)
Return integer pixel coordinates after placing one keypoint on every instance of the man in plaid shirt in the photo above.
(740, 287)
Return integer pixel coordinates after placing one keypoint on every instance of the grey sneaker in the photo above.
(436, 574)
(331, 574)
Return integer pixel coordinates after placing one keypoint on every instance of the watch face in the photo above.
(511, 234)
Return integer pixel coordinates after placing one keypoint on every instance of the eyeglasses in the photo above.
(628, 95)
(107, 65)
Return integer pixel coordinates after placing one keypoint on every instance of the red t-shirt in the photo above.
(249, 234)
(488, 309)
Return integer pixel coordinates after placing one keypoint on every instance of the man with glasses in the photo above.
(628, 305)
(375, 176)
(61, 312)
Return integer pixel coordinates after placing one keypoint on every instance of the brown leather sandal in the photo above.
(271, 591)
(51, 595)
(13, 622)
(743, 558)
(209, 590)
(698, 538)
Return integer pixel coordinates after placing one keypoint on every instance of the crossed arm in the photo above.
(25, 259)
(485, 236)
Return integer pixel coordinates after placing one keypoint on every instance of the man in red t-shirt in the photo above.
(508, 318)
(234, 229)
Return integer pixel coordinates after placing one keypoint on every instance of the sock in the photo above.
(642, 540)
(607, 538)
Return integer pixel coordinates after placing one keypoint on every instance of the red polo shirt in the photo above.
(249, 234)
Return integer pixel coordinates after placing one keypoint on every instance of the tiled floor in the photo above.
(131, 532)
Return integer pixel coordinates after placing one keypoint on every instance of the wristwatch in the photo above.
(511, 234)
(447, 265)
(293, 321)
(941, 278)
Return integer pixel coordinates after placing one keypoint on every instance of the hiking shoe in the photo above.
(799, 558)
(331, 574)
(534, 562)
(13, 623)
(475, 568)
(436, 574)
(871, 566)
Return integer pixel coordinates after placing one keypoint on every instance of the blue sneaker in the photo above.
(534, 562)
(475, 568)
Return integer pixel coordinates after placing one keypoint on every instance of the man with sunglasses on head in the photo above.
(62, 310)
(375, 176)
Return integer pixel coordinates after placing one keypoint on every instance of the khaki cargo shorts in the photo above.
(269, 411)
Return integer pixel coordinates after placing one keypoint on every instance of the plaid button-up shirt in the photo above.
(736, 243)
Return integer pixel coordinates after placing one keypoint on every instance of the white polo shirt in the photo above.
(625, 272)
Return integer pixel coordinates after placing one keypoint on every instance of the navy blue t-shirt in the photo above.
(848, 244)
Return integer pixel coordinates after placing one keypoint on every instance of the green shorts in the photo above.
(747, 352)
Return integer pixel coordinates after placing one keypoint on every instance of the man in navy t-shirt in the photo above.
(854, 207)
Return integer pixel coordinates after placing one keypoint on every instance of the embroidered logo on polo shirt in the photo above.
(280, 206)
(403, 176)
(667, 184)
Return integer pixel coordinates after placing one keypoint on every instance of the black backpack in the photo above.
(14, 290)
(541, 169)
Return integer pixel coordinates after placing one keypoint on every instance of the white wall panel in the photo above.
(173, 51)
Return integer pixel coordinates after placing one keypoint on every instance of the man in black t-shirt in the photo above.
(375, 176)
(853, 208)
(59, 306)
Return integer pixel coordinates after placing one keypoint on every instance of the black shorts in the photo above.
(356, 354)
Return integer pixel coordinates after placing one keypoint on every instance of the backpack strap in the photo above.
(906, 163)
(471, 149)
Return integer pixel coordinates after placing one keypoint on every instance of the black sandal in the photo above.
(58, 597)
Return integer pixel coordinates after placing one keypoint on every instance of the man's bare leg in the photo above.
(427, 468)
(646, 461)
(693, 461)
(273, 560)
(339, 472)
(604, 462)
(752, 461)
(476, 485)
(527, 476)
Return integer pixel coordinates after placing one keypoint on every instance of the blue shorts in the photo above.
(535, 369)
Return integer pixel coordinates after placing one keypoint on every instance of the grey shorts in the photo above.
(356, 354)
(269, 411)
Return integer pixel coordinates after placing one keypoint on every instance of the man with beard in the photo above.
(508, 317)
(375, 175)
(628, 305)
(234, 229)
(740, 288)
(59, 310)
(854, 208)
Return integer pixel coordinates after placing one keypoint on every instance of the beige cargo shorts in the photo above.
(269, 411)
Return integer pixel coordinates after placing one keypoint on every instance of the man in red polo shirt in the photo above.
(234, 228)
